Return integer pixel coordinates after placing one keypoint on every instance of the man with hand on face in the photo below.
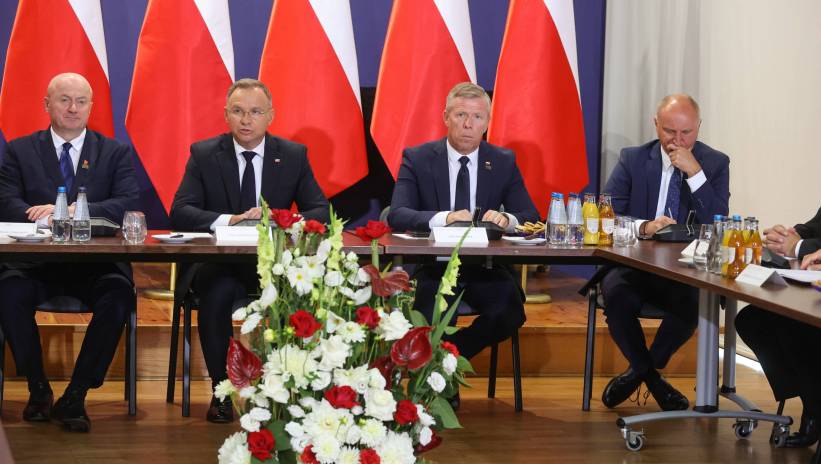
(443, 181)
(224, 179)
(659, 183)
(66, 154)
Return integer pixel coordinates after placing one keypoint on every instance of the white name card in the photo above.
(227, 235)
(18, 228)
(690, 251)
(476, 236)
(757, 275)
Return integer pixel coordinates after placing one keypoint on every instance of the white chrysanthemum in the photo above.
(425, 436)
(249, 423)
(332, 322)
(324, 250)
(348, 455)
(273, 387)
(300, 280)
(334, 351)
(449, 364)
(380, 404)
(296, 412)
(321, 381)
(260, 414)
(295, 429)
(268, 297)
(234, 450)
(436, 382)
(354, 433)
(224, 389)
(325, 420)
(375, 379)
(239, 314)
(326, 448)
(334, 279)
(287, 257)
(251, 323)
(357, 378)
(372, 432)
(278, 269)
(424, 418)
(292, 362)
(393, 326)
(351, 332)
(299, 444)
(247, 392)
(397, 448)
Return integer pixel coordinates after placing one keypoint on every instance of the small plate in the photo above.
(30, 238)
(524, 241)
(173, 238)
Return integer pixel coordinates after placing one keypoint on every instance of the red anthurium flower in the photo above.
(451, 347)
(385, 366)
(308, 456)
(341, 397)
(413, 350)
(243, 365)
(284, 218)
(373, 230)
(304, 323)
(314, 226)
(369, 456)
(388, 283)
(435, 441)
(405, 412)
(367, 316)
(261, 443)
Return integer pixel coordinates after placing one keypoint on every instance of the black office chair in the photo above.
(594, 302)
(68, 304)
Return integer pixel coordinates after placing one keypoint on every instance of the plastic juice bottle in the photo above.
(607, 219)
(753, 245)
(590, 215)
(746, 230)
(737, 244)
(726, 253)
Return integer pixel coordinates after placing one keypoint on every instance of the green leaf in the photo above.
(287, 457)
(444, 414)
(462, 364)
(440, 327)
(450, 330)
(418, 319)
(283, 440)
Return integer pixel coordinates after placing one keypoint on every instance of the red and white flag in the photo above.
(183, 68)
(428, 50)
(536, 104)
(49, 38)
(309, 64)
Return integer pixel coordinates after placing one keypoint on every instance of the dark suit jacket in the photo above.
(423, 188)
(30, 175)
(210, 186)
(810, 232)
(634, 184)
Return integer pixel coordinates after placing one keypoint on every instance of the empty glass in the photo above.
(703, 246)
(624, 232)
(134, 229)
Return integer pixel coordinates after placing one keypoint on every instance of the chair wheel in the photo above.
(635, 443)
(743, 429)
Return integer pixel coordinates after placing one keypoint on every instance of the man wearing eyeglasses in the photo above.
(224, 179)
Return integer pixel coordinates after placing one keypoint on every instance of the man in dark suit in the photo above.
(224, 178)
(659, 183)
(443, 181)
(34, 166)
(788, 350)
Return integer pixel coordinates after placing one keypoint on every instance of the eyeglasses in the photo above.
(79, 103)
(239, 113)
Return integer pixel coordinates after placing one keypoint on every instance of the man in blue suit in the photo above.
(34, 166)
(659, 183)
(443, 181)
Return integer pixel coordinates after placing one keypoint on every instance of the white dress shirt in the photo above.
(225, 219)
(74, 152)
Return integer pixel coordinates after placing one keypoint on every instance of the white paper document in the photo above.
(799, 275)
(757, 275)
(17, 228)
(409, 236)
(227, 235)
(452, 235)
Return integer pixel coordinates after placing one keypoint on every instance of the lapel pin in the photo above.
(85, 164)
(276, 160)
(487, 165)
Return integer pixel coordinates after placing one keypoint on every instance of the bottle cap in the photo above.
(81, 190)
(718, 218)
(61, 189)
(736, 217)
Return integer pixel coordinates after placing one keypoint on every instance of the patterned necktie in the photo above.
(673, 195)
(462, 198)
(248, 191)
(67, 167)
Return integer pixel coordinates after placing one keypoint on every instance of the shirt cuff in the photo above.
(798, 247)
(222, 220)
(697, 180)
(439, 219)
(512, 222)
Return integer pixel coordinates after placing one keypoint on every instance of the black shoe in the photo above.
(455, 401)
(38, 408)
(70, 412)
(220, 412)
(665, 394)
(807, 434)
(620, 388)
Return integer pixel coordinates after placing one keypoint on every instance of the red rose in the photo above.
(341, 397)
(284, 218)
(313, 226)
(413, 350)
(243, 365)
(387, 284)
(261, 444)
(367, 316)
(304, 323)
(373, 230)
(435, 440)
(308, 456)
(405, 413)
(369, 456)
(385, 366)
(451, 347)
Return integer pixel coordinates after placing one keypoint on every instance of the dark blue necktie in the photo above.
(462, 198)
(248, 191)
(67, 167)
(673, 195)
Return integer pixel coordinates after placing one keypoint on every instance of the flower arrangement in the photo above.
(339, 368)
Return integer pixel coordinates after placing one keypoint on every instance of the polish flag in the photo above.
(428, 50)
(183, 68)
(49, 38)
(536, 101)
(309, 64)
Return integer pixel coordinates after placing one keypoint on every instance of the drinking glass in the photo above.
(134, 228)
(624, 232)
(703, 246)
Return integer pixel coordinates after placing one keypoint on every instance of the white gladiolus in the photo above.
(323, 250)
(436, 382)
(449, 364)
(287, 257)
(268, 297)
(251, 323)
(300, 280)
(352, 257)
(393, 326)
(239, 314)
(278, 269)
(333, 322)
(334, 279)
(234, 450)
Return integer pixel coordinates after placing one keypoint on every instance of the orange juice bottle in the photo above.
(590, 215)
(745, 231)
(753, 245)
(727, 254)
(737, 244)
(607, 219)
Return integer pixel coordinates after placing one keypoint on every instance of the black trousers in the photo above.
(789, 352)
(493, 293)
(625, 290)
(218, 286)
(102, 287)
